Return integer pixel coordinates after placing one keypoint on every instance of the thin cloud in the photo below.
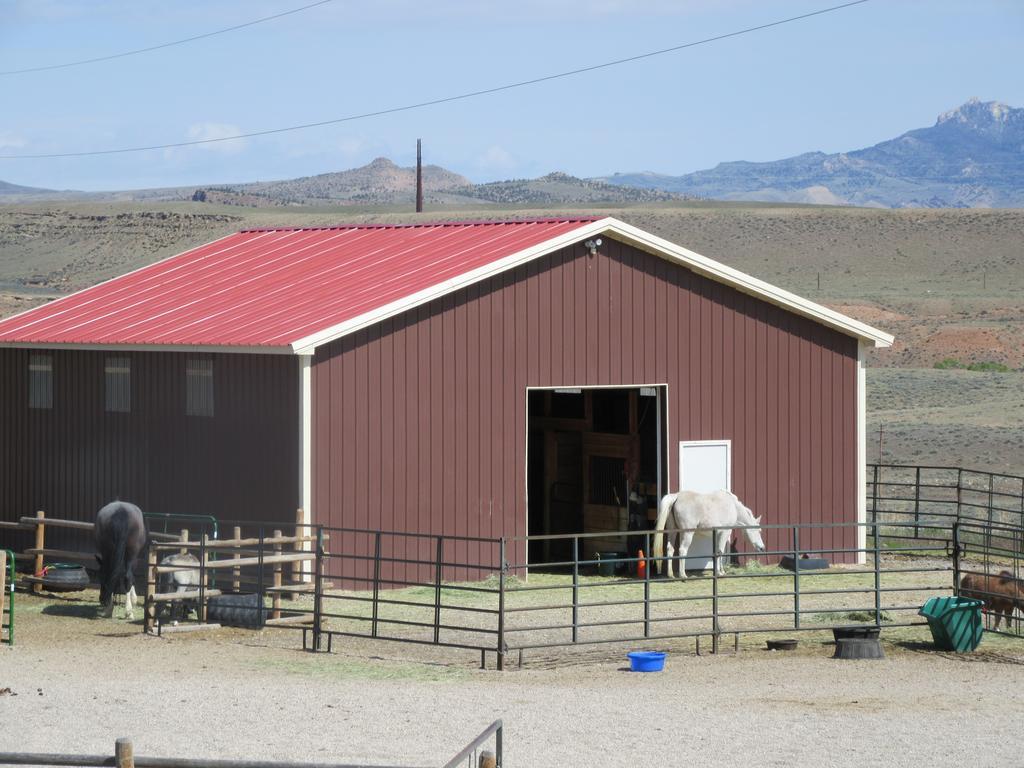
(207, 131)
(12, 141)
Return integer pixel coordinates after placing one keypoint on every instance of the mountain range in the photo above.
(972, 157)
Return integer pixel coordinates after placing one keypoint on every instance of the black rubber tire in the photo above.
(236, 610)
(66, 579)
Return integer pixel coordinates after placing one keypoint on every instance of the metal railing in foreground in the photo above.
(124, 757)
(559, 610)
(467, 593)
(415, 588)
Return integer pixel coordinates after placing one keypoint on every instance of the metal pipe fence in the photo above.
(426, 589)
(989, 565)
(552, 610)
(467, 593)
(933, 498)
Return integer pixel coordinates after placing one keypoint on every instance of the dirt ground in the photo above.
(78, 681)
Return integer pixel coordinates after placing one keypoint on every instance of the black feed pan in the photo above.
(781, 645)
(806, 563)
(855, 633)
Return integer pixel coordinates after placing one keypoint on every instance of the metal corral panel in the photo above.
(420, 421)
(269, 288)
(71, 459)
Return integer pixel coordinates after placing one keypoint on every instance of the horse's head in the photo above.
(753, 534)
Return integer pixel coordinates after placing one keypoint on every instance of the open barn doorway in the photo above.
(596, 459)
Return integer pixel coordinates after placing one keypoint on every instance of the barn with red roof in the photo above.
(467, 378)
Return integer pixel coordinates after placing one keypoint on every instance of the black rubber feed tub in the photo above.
(63, 577)
(858, 648)
(781, 645)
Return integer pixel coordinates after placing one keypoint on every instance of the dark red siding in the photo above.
(420, 423)
(242, 463)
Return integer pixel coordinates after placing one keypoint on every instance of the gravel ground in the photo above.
(81, 681)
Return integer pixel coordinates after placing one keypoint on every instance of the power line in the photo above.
(67, 64)
(434, 102)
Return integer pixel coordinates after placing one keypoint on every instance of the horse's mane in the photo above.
(744, 514)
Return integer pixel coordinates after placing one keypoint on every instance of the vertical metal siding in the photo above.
(242, 463)
(449, 381)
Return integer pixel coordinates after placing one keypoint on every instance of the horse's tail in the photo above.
(118, 553)
(659, 533)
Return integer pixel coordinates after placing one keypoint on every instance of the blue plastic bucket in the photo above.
(646, 661)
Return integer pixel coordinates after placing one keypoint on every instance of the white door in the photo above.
(704, 466)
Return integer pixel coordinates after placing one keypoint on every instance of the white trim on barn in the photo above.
(204, 348)
(744, 282)
(306, 451)
(862, 436)
(632, 236)
(195, 348)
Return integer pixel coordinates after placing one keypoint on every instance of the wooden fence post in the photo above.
(124, 754)
(40, 546)
(275, 601)
(236, 573)
(204, 580)
(149, 618)
(299, 569)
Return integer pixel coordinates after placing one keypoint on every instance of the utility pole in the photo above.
(419, 176)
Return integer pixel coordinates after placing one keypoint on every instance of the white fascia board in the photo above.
(744, 282)
(632, 236)
(862, 456)
(194, 348)
(305, 488)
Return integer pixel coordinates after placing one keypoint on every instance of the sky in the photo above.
(836, 82)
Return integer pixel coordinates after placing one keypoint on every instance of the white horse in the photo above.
(181, 581)
(691, 511)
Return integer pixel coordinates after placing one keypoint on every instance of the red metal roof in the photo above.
(272, 287)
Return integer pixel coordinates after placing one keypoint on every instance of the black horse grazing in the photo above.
(120, 538)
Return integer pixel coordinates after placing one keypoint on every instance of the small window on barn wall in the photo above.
(40, 381)
(199, 386)
(117, 373)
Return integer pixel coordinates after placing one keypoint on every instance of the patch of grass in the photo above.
(987, 366)
(851, 617)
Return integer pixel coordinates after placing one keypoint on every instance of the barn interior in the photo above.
(595, 463)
